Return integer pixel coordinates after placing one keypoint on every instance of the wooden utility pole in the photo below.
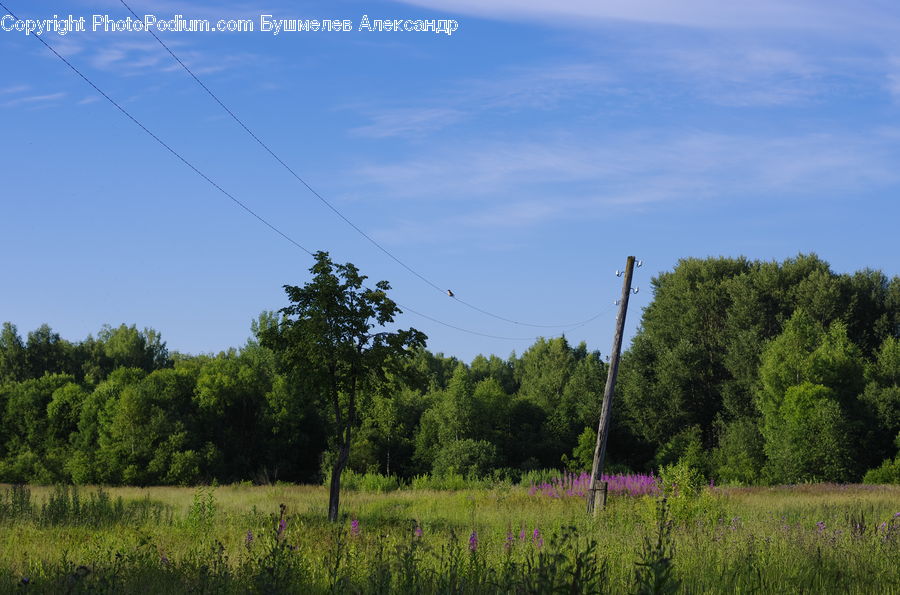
(597, 494)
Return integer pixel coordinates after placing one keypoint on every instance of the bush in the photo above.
(366, 482)
(470, 458)
(685, 446)
(449, 481)
(681, 480)
(889, 472)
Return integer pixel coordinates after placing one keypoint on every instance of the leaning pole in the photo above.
(597, 492)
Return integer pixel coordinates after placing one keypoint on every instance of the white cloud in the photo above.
(527, 183)
(540, 88)
(738, 75)
(13, 89)
(33, 100)
(403, 122)
(892, 78)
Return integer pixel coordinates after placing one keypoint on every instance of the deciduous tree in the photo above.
(327, 336)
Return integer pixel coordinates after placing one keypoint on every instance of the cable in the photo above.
(162, 142)
(480, 334)
(196, 170)
(331, 206)
(569, 326)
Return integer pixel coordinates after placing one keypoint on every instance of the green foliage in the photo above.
(724, 339)
(654, 567)
(684, 447)
(65, 506)
(325, 338)
(13, 366)
(366, 482)
(806, 439)
(202, 513)
(467, 457)
(808, 377)
(681, 480)
(763, 540)
(748, 371)
(887, 473)
(447, 482)
(739, 457)
(583, 453)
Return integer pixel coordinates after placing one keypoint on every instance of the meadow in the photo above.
(822, 538)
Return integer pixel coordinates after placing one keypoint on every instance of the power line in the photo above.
(162, 142)
(480, 334)
(334, 209)
(212, 182)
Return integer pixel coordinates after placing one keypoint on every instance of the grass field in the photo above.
(813, 539)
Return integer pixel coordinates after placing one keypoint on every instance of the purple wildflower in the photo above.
(572, 485)
(522, 534)
(473, 541)
(418, 532)
(282, 522)
(248, 539)
(536, 535)
(896, 514)
(820, 526)
(354, 527)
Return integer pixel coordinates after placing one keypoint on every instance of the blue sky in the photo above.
(517, 162)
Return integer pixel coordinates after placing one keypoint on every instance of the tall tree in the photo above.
(12, 354)
(46, 353)
(326, 334)
(810, 379)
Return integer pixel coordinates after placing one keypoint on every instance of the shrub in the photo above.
(467, 457)
(681, 480)
(889, 472)
(449, 481)
(366, 482)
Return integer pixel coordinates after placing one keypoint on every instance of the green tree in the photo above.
(544, 370)
(122, 346)
(807, 441)
(47, 353)
(882, 399)
(675, 373)
(327, 333)
(28, 427)
(503, 371)
(467, 457)
(12, 354)
(150, 434)
(85, 465)
(810, 379)
(739, 457)
(230, 399)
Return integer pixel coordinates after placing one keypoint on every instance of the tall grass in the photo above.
(238, 539)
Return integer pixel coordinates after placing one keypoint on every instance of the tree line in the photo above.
(746, 371)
